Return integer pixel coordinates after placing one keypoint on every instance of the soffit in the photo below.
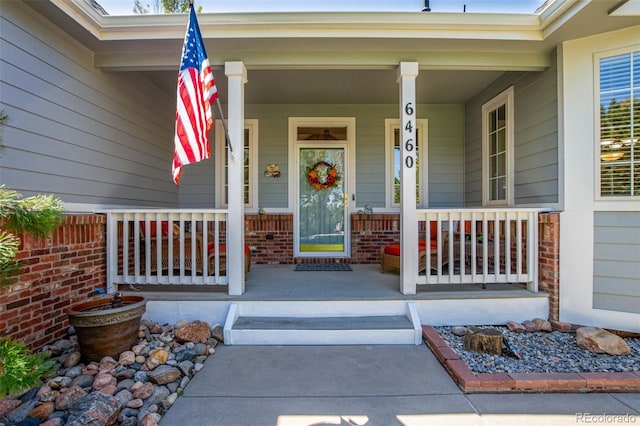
(338, 53)
(587, 19)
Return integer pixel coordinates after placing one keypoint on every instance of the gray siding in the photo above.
(446, 136)
(446, 154)
(536, 137)
(616, 261)
(84, 135)
(104, 139)
(197, 184)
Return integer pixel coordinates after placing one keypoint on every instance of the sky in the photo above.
(125, 7)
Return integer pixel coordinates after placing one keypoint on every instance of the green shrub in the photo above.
(20, 369)
(38, 215)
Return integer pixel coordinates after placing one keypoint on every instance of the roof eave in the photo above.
(308, 25)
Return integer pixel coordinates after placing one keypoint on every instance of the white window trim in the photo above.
(221, 156)
(506, 98)
(596, 120)
(390, 124)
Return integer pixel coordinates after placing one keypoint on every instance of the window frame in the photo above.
(422, 125)
(597, 123)
(250, 125)
(504, 98)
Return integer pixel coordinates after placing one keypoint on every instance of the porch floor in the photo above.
(364, 282)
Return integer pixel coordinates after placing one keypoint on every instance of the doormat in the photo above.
(322, 267)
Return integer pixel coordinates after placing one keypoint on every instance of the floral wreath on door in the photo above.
(323, 175)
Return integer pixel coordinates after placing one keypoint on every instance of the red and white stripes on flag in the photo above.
(196, 93)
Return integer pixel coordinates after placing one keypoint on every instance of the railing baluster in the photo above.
(507, 246)
(462, 249)
(519, 271)
(205, 246)
(474, 245)
(532, 253)
(112, 252)
(125, 249)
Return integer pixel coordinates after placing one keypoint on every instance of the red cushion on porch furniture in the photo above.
(422, 244)
(153, 229)
(223, 248)
(394, 249)
(467, 227)
(433, 232)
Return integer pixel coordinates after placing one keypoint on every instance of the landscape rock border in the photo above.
(471, 382)
(134, 389)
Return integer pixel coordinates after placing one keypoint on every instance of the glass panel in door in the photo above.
(321, 204)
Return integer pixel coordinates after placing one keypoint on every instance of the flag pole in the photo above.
(226, 130)
(224, 123)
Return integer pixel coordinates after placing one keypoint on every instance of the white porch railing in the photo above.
(479, 246)
(187, 247)
(160, 246)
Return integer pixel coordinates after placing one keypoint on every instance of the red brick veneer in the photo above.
(270, 237)
(58, 271)
(549, 260)
(370, 232)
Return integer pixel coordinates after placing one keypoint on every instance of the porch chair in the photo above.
(390, 254)
(478, 241)
(187, 250)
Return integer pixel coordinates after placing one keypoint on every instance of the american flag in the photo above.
(196, 92)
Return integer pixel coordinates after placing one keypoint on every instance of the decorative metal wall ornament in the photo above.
(272, 170)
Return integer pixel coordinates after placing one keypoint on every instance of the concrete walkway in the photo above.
(367, 385)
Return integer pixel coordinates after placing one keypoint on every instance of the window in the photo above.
(321, 133)
(318, 132)
(250, 155)
(392, 130)
(619, 139)
(497, 149)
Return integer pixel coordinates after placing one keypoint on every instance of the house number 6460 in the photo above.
(408, 144)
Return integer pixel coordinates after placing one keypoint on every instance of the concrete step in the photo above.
(244, 327)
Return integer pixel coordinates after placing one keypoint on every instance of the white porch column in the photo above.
(236, 74)
(407, 73)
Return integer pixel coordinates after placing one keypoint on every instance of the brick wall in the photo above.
(369, 232)
(549, 260)
(58, 271)
(270, 237)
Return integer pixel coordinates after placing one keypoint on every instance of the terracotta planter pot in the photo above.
(103, 330)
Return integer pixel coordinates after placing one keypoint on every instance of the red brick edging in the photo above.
(471, 382)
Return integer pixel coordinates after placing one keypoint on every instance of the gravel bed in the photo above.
(543, 352)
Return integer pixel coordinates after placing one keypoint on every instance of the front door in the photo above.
(322, 202)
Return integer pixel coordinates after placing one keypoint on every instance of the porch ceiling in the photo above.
(343, 86)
